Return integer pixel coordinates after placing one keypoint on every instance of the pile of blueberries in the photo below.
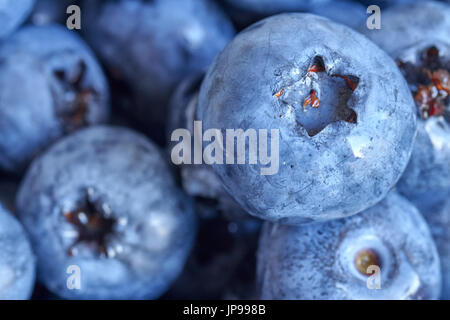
(92, 207)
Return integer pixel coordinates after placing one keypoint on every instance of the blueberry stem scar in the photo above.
(93, 222)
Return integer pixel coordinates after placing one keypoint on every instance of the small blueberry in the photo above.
(103, 211)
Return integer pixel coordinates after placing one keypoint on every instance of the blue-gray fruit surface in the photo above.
(161, 41)
(345, 116)
(12, 14)
(438, 218)
(422, 52)
(102, 204)
(17, 261)
(50, 85)
(345, 258)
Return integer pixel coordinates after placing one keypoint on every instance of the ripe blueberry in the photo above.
(345, 116)
(103, 200)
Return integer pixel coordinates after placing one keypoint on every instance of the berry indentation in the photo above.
(429, 81)
(76, 97)
(94, 224)
(318, 96)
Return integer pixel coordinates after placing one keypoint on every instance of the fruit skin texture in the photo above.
(154, 222)
(162, 42)
(316, 261)
(343, 169)
(348, 13)
(50, 85)
(12, 14)
(17, 261)
(426, 180)
(50, 11)
(431, 21)
(388, 3)
(247, 12)
(438, 219)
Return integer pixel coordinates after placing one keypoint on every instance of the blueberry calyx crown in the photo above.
(75, 117)
(317, 88)
(94, 224)
(429, 82)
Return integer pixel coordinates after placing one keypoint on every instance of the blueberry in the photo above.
(404, 26)
(162, 41)
(50, 11)
(438, 218)
(422, 52)
(248, 11)
(104, 201)
(50, 85)
(346, 12)
(17, 262)
(12, 14)
(332, 260)
(389, 3)
(345, 117)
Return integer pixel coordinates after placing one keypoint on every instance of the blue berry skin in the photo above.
(404, 26)
(12, 14)
(317, 261)
(104, 200)
(162, 42)
(389, 3)
(438, 219)
(50, 11)
(50, 85)
(426, 180)
(329, 168)
(266, 8)
(17, 261)
(346, 12)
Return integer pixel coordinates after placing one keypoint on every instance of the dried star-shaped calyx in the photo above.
(78, 95)
(327, 95)
(430, 82)
(94, 224)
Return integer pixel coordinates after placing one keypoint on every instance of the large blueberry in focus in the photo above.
(422, 52)
(50, 85)
(152, 45)
(102, 204)
(17, 262)
(12, 14)
(389, 242)
(438, 218)
(345, 116)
